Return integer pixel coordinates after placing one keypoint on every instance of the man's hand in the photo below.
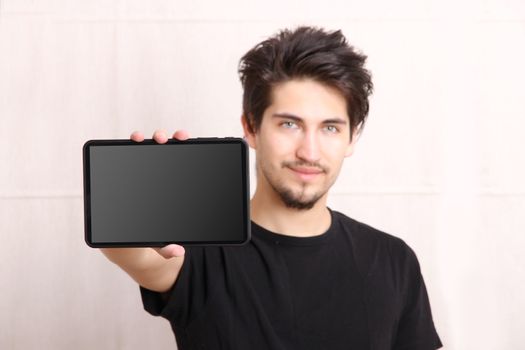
(171, 250)
(153, 268)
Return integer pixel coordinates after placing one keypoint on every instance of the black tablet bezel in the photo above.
(119, 142)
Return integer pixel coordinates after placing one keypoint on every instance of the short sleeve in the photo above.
(185, 298)
(416, 330)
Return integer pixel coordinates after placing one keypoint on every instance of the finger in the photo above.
(160, 136)
(181, 135)
(137, 136)
(171, 251)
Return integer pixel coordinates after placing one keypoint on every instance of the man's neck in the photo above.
(271, 213)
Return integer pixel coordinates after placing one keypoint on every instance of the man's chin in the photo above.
(292, 202)
(299, 205)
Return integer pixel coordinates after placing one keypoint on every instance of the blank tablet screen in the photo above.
(148, 194)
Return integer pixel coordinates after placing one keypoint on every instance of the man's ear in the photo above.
(249, 136)
(351, 146)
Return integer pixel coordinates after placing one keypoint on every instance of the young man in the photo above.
(310, 278)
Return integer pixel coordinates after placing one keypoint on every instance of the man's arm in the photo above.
(154, 269)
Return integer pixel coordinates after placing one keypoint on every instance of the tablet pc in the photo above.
(139, 194)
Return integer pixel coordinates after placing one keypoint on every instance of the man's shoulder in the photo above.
(370, 242)
(360, 230)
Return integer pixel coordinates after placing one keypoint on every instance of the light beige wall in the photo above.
(440, 162)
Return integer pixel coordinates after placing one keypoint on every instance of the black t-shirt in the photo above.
(353, 287)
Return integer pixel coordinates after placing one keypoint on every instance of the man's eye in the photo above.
(332, 128)
(289, 125)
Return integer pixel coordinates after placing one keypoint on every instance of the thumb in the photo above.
(171, 251)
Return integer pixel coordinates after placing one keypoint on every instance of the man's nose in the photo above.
(309, 148)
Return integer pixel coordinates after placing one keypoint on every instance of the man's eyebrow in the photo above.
(335, 120)
(287, 116)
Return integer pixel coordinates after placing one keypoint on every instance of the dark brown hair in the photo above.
(310, 53)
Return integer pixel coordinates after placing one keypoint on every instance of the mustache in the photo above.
(297, 164)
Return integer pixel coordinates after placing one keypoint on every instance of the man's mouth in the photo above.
(306, 173)
(306, 170)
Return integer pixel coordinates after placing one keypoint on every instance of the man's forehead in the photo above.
(306, 98)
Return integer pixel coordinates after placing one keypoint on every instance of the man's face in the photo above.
(302, 141)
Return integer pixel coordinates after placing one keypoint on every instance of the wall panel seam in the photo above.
(340, 193)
